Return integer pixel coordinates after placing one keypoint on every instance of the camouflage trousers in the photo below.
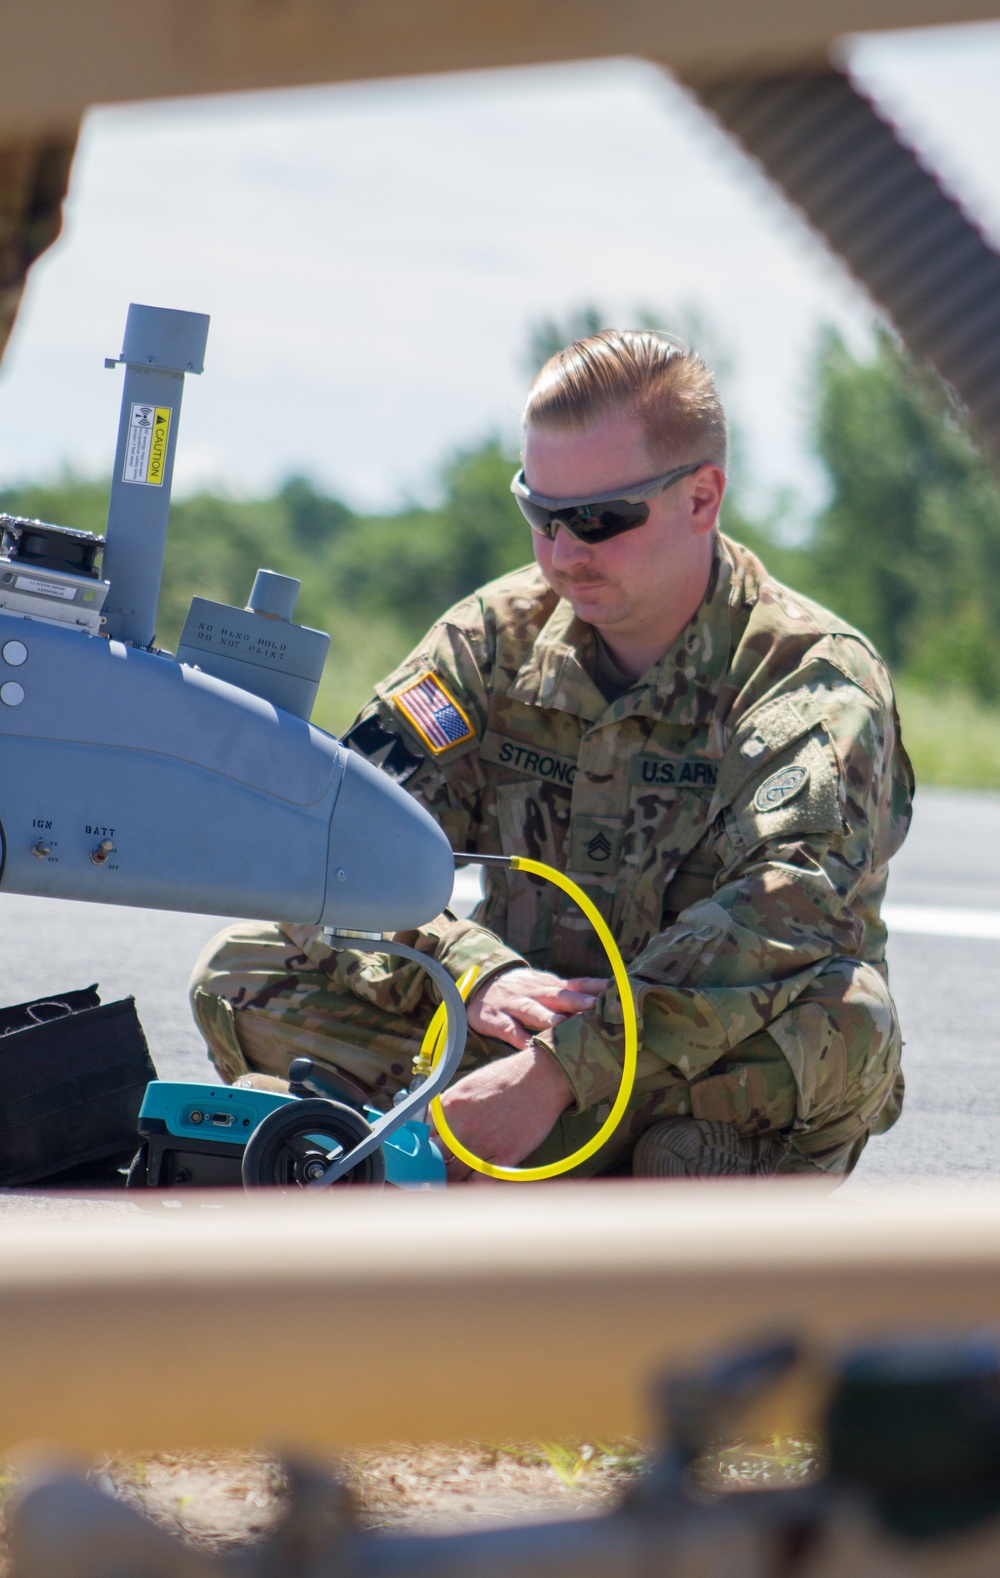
(826, 1072)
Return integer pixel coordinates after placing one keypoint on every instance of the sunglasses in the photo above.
(595, 519)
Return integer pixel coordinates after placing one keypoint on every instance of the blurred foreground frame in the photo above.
(916, 251)
(319, 1325)
(911, 1488)
(761, 72)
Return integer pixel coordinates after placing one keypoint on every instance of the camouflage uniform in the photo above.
(731, 815)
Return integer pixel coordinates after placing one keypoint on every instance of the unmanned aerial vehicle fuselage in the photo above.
(195, 782)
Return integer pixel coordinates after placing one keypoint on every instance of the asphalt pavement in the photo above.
(944, 957)
(943, 912)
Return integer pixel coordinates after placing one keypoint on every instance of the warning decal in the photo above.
(146, 449)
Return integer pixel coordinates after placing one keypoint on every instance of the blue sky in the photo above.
(372, 257)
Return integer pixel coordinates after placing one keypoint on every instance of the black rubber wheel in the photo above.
(138, 1172)
(296, 1142)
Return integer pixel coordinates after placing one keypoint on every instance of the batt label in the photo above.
(531, 760)
(673, 772)
(146, 446)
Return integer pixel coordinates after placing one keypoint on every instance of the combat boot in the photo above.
(697, 1148)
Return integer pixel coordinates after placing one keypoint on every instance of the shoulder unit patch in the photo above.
(435, 714)
(388, 751)
(781, 787)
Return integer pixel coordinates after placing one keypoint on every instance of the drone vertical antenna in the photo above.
(160, 346)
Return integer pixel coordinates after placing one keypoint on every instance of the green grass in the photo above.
(572, 1462)
(361, 652)
(746, 1465)
(952, 738)
(779, 1463)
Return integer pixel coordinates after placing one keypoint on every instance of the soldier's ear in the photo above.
(706, 490)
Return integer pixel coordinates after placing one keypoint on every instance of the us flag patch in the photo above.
(435, 715)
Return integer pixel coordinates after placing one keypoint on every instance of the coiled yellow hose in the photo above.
(434, 1041)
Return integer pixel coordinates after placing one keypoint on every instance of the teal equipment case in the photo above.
(196, 1136)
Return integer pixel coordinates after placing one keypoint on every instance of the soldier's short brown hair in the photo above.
(634, 371)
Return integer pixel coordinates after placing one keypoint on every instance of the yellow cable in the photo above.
(432, 1045)
(433, 1040)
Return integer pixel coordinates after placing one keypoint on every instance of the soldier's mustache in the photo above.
(585, 580)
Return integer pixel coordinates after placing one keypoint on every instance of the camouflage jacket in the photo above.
(731, 815)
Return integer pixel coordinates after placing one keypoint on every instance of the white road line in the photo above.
(942, 920)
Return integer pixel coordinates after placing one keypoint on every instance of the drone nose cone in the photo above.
(390, 867)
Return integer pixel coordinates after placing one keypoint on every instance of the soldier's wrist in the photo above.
(472, 945)
(587, 1060)
(552, 1076)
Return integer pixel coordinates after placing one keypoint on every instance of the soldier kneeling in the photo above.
(714, 758)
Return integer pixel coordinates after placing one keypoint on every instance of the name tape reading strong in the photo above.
(532, 760)
(678, 772)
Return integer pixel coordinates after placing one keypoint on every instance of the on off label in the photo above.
(146, 449)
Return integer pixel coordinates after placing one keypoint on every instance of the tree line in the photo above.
(907, 546)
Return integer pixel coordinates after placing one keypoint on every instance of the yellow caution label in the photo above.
(158, 446)
(146, 445)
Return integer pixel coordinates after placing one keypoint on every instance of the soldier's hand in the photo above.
(512, 1007)
(503, 1110)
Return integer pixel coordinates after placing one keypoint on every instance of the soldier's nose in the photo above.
(568, 550)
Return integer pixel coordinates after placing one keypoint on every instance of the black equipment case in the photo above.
(73, 1072)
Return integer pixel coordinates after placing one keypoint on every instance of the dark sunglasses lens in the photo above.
(538, 518)
(610, 520)
(584, 522)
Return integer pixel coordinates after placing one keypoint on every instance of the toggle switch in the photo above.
(41, 848)
(100, 854)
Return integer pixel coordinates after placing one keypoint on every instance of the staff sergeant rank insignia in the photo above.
(435, 714)
(780, 787)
